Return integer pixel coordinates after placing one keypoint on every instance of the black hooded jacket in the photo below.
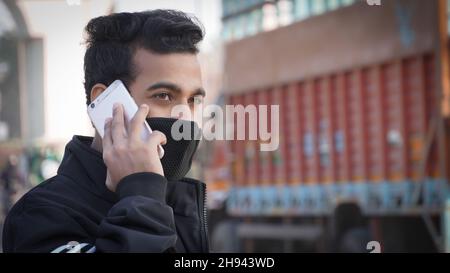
(75, 212)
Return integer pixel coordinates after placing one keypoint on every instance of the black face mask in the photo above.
(178, 154)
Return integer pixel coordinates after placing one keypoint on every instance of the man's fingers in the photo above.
(156, 138)
(126, 123)
(107, 139)
(138, 121)
(118, 124)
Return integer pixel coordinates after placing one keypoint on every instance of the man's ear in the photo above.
(96, 90)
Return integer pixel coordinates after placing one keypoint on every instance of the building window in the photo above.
(318, 6)
(246, 18)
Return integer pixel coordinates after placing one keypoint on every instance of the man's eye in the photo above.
(162, 96)
(197, 100)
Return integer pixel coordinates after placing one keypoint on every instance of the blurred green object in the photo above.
(37, 157)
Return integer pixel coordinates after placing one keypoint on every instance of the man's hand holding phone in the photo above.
(124, 151)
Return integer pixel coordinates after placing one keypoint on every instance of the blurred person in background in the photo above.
(12, 180)
(115, 194)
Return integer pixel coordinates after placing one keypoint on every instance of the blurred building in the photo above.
(21, 77)
(249, 17)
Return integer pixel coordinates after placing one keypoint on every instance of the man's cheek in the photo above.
(158, 111)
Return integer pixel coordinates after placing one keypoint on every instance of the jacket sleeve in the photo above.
(140, 221)
(44, 229)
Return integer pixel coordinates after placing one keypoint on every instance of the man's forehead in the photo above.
(163, 64)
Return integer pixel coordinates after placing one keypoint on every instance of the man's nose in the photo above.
(182, 111)
(181, 116)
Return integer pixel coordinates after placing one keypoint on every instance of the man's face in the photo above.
(166, 80)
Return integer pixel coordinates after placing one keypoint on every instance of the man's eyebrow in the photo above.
(173, 87)
(164, 85)
(200, 91)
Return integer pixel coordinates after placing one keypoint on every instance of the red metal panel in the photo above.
(279, 154)
(285, 133)
(323, 130)
(373, 120)
(250, 145)
(380, 80)
(315, 130)
(271, 161)
(392, 87)
(229, 100)
(361, 80)
(292, 140)
(240, 150)
(373, 123)
(308, 128)
(344, 120)
(431, 103)
(300, 131)
(256, 158)
(333, 128)
(264, 156)
(415, 113)
(354, 127)
(403, 122)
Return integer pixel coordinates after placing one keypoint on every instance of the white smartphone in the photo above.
(102, 108)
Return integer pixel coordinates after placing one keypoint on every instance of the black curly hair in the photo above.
(112, 40)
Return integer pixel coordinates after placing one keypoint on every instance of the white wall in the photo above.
(61, 26)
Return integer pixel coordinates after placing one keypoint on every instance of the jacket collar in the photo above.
(83, 163)
(85, 166)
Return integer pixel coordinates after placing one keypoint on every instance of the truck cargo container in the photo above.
(363, 94)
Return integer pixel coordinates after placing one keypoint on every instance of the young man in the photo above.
(115, 194)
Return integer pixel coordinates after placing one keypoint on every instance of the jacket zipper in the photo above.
(204, 217)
